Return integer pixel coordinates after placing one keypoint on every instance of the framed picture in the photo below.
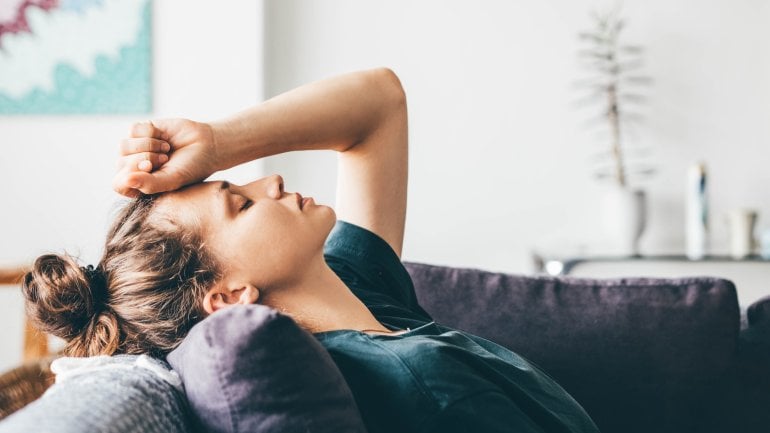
(75, 57)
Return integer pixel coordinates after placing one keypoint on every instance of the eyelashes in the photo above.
(246, 204)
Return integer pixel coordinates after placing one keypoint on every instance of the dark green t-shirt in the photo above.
(432, 378)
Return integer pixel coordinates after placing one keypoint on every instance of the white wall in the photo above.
(56, 171)
(500, 163)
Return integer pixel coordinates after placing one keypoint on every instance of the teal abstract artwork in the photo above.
(75, 57)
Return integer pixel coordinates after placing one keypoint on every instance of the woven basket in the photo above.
(24, 384)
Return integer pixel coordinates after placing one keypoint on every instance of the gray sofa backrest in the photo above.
(640, 355)
(125, 396)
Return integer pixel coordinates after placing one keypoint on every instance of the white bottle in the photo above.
(696, 218)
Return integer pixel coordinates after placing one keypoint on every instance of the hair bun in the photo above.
(63, 298)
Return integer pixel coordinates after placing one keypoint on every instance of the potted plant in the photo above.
(612, 85)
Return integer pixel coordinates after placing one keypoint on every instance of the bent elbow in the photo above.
(391, 85)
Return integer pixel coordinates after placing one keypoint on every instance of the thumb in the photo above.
(153, 183)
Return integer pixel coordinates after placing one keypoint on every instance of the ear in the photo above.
(224, 296)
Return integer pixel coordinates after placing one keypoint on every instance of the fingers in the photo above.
(145, 161)
(146, 130)
(136, 145)
(140, 167)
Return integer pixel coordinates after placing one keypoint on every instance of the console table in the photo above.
(751, 275)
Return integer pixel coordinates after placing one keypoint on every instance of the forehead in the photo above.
(195, 204)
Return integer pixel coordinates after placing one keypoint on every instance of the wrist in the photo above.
(221, 151)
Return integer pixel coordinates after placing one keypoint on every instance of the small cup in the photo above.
(741, 222)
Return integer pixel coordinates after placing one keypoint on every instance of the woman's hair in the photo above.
(143, 297)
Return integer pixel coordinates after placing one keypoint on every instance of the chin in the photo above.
(331, 219)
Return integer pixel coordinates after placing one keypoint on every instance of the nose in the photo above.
(274, 186)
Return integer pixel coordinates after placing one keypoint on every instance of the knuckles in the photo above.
(141, 129)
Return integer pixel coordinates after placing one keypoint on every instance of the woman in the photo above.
(176, 255)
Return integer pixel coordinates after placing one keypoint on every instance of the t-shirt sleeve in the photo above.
(373, 271)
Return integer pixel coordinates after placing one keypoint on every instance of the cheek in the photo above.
(269, 229)
(279, 232)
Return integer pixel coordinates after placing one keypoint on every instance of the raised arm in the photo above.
(362, 115)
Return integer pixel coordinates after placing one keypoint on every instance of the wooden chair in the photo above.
(27, 382)
(35, 342)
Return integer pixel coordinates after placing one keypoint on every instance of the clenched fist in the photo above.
(164, 155)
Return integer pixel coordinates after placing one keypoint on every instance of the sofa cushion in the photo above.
(639, 354)
(108, 395)
(247, 368)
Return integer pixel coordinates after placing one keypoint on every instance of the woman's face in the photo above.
(261, 234)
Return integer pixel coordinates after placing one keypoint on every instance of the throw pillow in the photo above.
(248, 368)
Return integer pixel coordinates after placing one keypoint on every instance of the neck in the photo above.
(319, 301)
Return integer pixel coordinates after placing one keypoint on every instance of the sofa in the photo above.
(640, 355)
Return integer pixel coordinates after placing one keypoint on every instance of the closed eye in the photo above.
(246, 204)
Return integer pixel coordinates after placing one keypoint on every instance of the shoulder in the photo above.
(359, 255)
(347, 239)
(373, 271)
(366, 262)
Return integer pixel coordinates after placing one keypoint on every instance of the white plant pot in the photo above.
(624, 217)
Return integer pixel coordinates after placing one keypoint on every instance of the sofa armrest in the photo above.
(751, 396)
